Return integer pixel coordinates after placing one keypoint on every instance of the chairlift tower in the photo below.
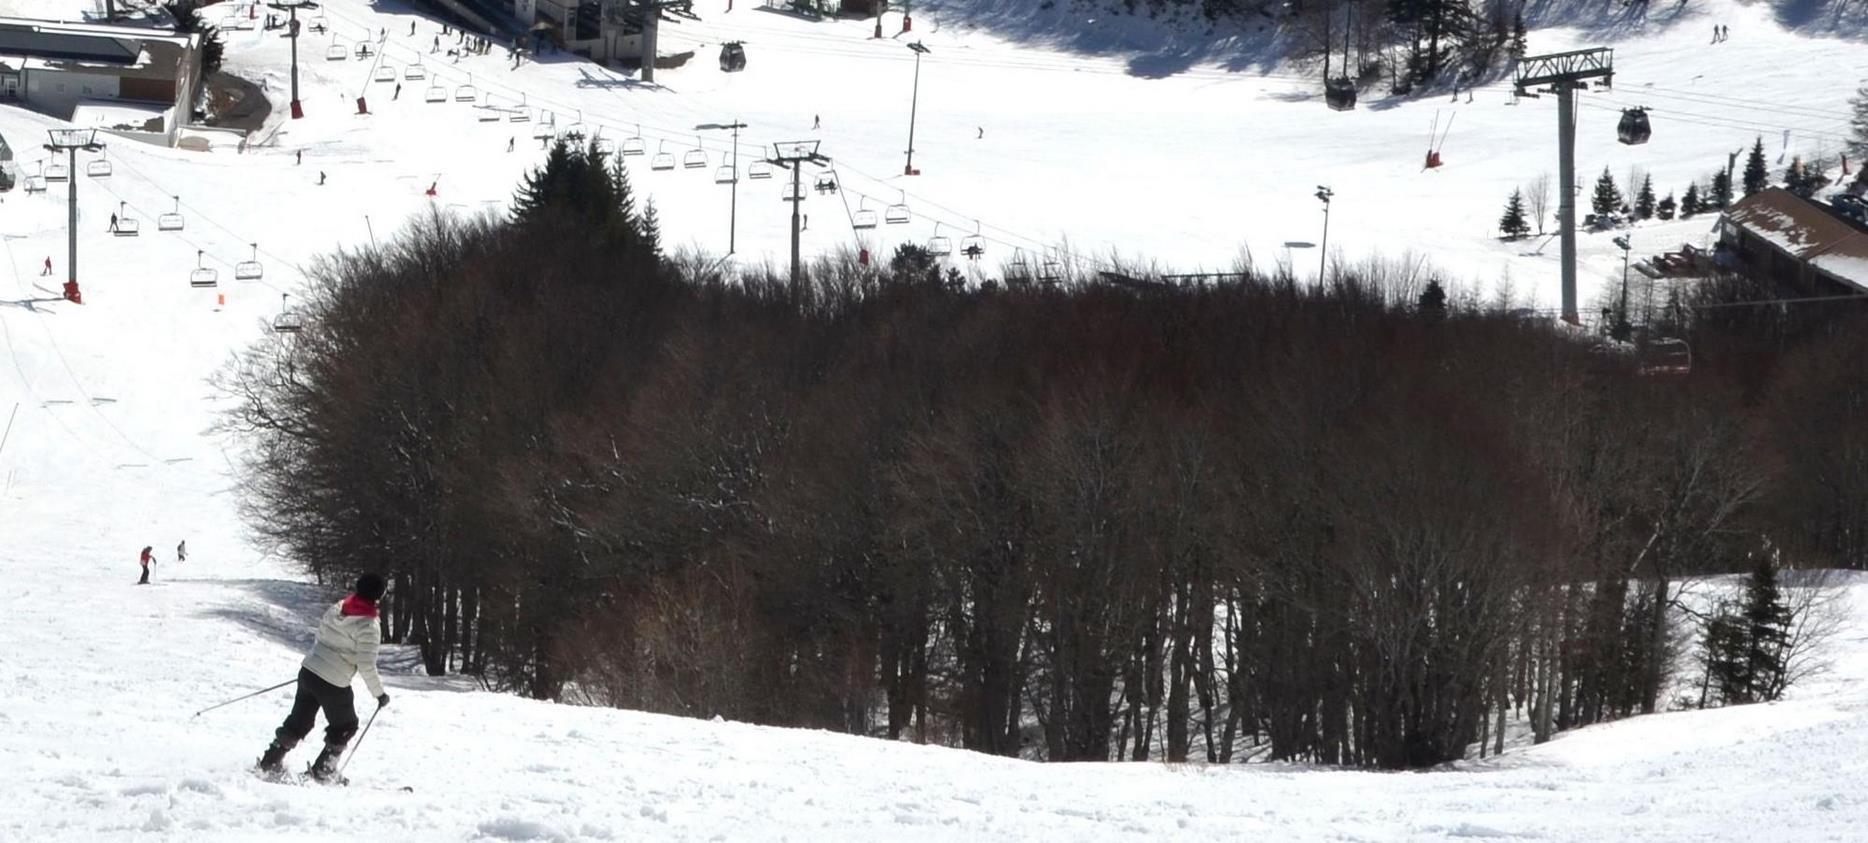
(793, 155)
(69, 141)
(651, 11)
(1564, 74)
(291, 8)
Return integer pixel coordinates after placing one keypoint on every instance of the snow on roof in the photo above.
(1806, 231)
(119, 114)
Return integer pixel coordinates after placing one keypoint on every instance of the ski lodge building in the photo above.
(133, 81)
(1779, 236)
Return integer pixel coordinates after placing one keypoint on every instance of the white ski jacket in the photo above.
(346, 646)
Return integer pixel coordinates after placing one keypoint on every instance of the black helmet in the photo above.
(371, 587)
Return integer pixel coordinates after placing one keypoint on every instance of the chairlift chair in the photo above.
(57, 172)
(466, 93)
(791, 192)
(759, 170)
(604, 145)
(939, 245)
(385, 72)
(543, 130)
(695, 158)
(1018, 269)
(897, 213)
(415, 71)
(863, 219)
(288, 321)
(35, 184)
(973, 245)
(1634, 128)
(172, 221)
(98, 169)
(203, 275)
(732, 57)
(127, 226)
(826, 183)
(1665, 356)
(575, 133)
(662, 159)
(436, 93)
(249, 270)
(336, 52)
(490, 113)
(1050, 271)
(725, 174)
(634, 144)
(1340, 93)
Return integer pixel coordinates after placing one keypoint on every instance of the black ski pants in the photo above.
(340, 714)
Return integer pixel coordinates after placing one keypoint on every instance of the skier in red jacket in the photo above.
(147, 560)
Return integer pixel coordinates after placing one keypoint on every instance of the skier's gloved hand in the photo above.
(382, 701)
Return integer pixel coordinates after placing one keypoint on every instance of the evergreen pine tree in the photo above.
(1518, 45)
(1721, 194)
(1664, 208)
(1644, 199)
(1756, 177)
(1767, 631)
(652, 230)
(1432, 303)
(1689, 204)
(1608, 198)
(1857, 144)
(1793, 176)
(1512, 223)
(187, 15)
(1724, 646)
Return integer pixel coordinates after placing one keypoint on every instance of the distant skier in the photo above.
(48, 267)
(320, 178)
(982, 133)
(348, 638)
(181, 551)
(113, 223)
(437, 47)
(299, 156)
(147, 560)
(411, 29)
(509, 144)
(398, 94)
(431, 188)
(817, 122)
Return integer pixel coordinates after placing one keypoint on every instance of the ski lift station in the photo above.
(134, 82)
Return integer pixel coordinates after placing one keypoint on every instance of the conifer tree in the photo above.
(1512, 223)
(1644, 199)
(652, 230)
(1664, 208)
(1432, 303)
(1721, 194)
(1518, 45)
(1608, 198)
(1689, 204)
(1767, 631)
(1756, 177)
(1857, 144)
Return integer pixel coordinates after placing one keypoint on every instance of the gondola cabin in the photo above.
(1633, 128)
(732, 57)
(1340, 93)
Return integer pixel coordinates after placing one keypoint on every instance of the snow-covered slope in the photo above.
(107, 449)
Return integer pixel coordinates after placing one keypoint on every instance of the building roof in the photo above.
(1806, 231)
(130, 51)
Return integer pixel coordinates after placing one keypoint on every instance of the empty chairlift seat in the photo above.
(759, 170)
(633, 146)
(863, 219)
(415, 71)
(336, 52)
(694, 159)
(663, 159)
(436, 93)
(385, 72)
(249, 270)
(896, 214)
(173, 220)
(725, 174)
(203, 275)
(57, 172)
(35, 184)
(466, 93)
(99, 169)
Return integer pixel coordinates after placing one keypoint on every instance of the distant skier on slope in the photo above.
(348, 638)
(147, 560)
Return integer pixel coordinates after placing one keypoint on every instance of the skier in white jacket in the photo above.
(348, 638)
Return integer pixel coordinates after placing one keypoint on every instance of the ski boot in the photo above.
(324, 770)
(272, 762)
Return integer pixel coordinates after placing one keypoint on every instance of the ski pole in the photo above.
(359, 744)
(291, 681)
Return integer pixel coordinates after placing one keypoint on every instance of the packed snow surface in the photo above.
(106, 409)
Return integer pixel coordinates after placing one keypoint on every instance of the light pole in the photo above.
(914, 103)
(1620, 329)
(732, 224)
(70, 141)
(1323, 252)
(291, 7)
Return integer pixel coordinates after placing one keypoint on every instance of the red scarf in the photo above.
(354, 605)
